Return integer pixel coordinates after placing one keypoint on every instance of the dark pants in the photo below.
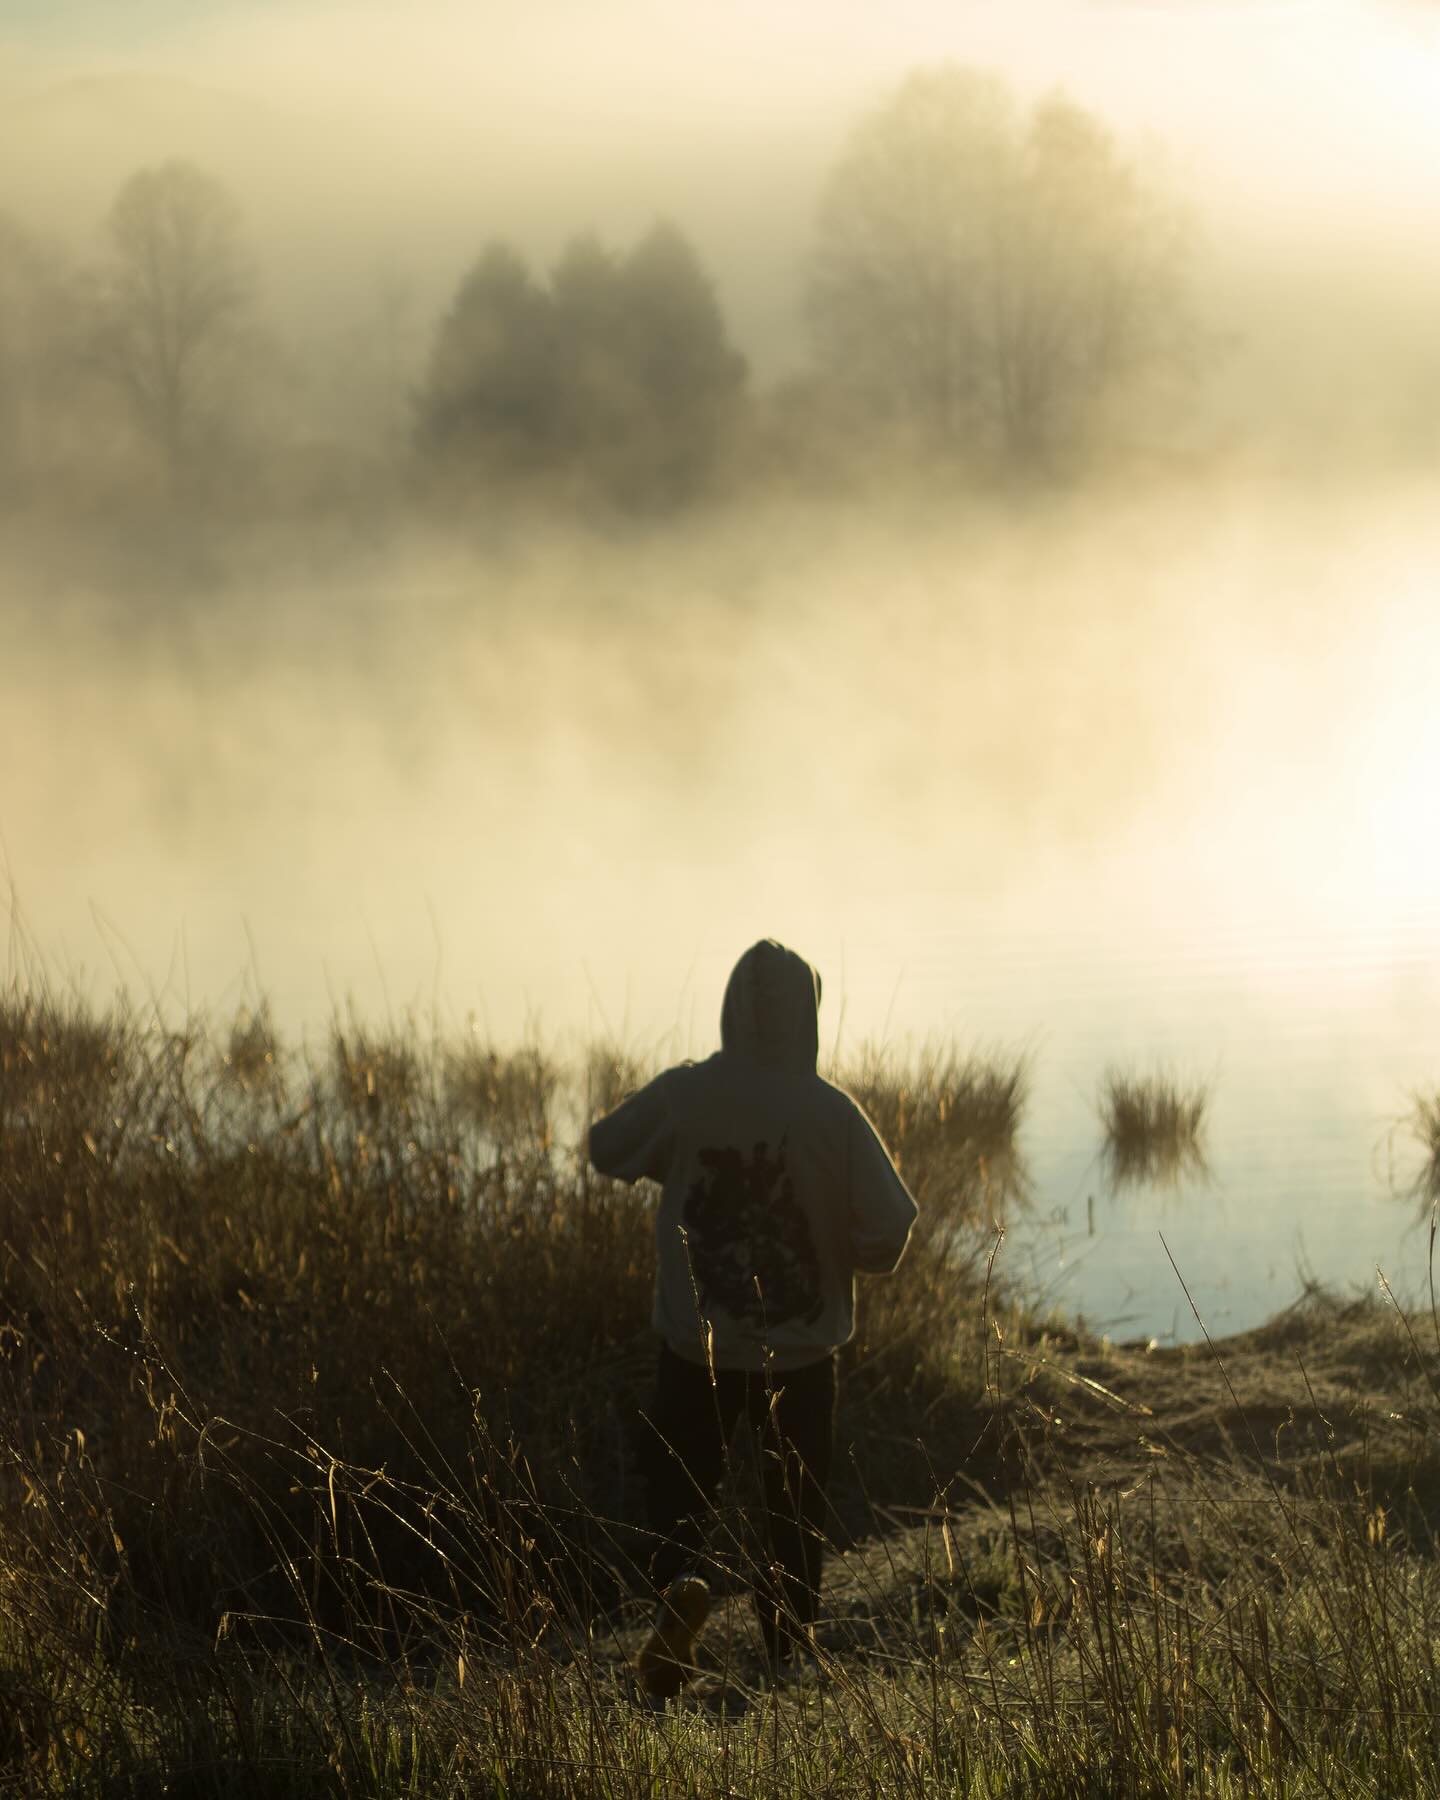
(792, 1416)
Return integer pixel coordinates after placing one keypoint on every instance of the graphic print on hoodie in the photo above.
(775, 1188)
(750, 1243)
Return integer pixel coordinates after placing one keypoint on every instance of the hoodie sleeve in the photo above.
(881, 1210)
(638, 1138)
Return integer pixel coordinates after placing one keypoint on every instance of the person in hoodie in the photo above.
(775, 1193)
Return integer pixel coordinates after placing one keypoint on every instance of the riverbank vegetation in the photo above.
(318, 1369)
(1422, 1127)
(1154, 1127)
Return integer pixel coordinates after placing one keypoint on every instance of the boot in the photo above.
(664, 1663)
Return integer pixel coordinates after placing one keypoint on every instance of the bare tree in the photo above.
(174, 301)
(984, 275)
(39, 336)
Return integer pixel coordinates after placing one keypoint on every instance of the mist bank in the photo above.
(562, 771)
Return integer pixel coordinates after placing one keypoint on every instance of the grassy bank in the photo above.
(317, 1378)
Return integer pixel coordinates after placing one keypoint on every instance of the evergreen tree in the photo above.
(679, 357)
(620, 374)
(492, 392)
(599, 402)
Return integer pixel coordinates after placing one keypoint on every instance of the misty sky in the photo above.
(358, 129)
(96, 24)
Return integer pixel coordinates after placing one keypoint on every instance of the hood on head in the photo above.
(770, 1009)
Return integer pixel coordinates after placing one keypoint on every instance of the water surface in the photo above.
(1143, 778)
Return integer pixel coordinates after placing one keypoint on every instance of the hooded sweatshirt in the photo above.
(775, 1188)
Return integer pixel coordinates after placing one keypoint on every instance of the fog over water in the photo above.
(1137, 765)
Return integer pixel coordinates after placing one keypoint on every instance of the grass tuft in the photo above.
(1423, 1126)
(1154, 1129)
(952, 1121)
(508, 1095)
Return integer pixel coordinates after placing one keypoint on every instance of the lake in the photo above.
(1144, 778)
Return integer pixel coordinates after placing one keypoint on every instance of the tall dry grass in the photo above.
(314, 1374)
(226, 1265)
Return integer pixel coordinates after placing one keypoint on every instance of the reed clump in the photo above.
(507, 1095)
(1154, 1128)
(1423, 1127)
(952, 1120)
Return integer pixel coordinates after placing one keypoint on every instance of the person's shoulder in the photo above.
(835, 1099)
(691, 1073)
(847, 1110)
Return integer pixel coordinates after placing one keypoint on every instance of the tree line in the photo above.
(986, 281)
(620, 369)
